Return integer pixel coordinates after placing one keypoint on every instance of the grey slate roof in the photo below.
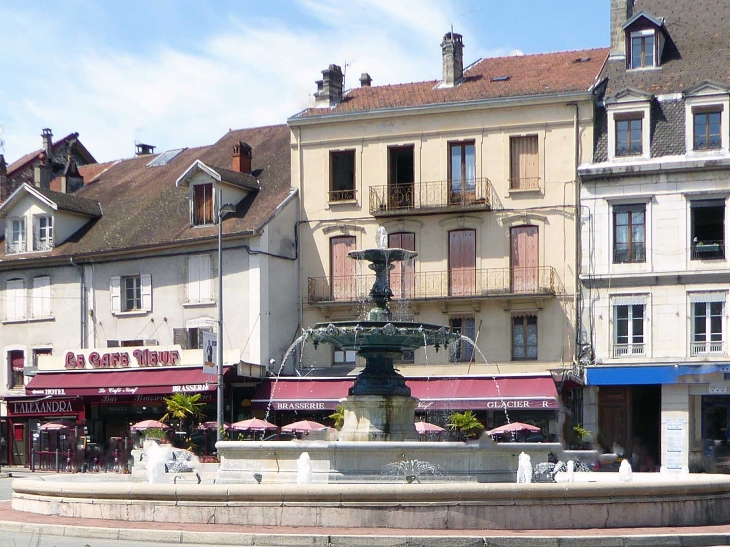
(72, 203)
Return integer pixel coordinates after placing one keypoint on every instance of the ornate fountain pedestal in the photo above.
(379, 418)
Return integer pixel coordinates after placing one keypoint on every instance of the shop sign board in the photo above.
(47, 407)
(154, 356)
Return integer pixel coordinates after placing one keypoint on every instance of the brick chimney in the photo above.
(365, 80)
(144, 149)
(452, 55)
(329, 88)
(241, 157)
(621, 11)
(4, 188)
(43, 171)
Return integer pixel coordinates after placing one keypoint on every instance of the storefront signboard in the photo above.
(155, 356)
(45, 407)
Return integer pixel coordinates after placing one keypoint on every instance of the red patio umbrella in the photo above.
(253, 424)
(514, 427)
(304, 426)
(58, 425)
(148, 424)
(425, 427)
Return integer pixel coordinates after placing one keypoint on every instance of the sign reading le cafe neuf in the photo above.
(138, 357)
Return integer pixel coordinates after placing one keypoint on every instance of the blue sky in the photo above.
(178, 73)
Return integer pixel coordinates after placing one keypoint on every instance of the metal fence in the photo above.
(424, 196)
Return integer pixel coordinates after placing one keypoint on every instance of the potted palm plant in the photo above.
(466, 424)
(184, 407)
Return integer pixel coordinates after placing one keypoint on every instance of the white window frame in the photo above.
(16, 300)
(640, 109)
(40, 296)
(630, 349)
(708, 346)
(720, 100)
(116, 295)
(17, 236)
(43, 236)
(344, 357)
(655, 52)
(199, 287)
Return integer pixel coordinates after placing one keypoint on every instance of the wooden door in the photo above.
(462, 262)
(524, 259)
(20, 455)
(342, 268)
(403, 274)
(614, 415)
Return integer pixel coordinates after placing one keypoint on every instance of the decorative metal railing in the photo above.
(624, 253)
(627, 350)
(485, 283)
(524, 183)
(429, 196)
(708, 250)
(40, 244)
(14, 248)
(707, 348)
(342, 195)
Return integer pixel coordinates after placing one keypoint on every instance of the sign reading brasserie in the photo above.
(141, 357)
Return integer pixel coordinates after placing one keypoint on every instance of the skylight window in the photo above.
(500, 78)
(165, 157)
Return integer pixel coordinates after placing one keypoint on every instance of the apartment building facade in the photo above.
(476, 173)
(654, 268)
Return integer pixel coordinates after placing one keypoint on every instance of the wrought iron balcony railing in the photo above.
(14, 248)
(708, 250)
(342, 195)
(524, 183)
(486, 283)
(420, 197)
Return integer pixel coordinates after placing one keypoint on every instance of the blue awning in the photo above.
(635, 375)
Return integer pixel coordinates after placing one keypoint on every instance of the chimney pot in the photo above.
(242, 157)
(47, 136)
(365, 80)
(452, 56)
(144, 149)
(329, 89)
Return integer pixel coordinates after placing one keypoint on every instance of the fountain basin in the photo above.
(386, 336)
(692, 500)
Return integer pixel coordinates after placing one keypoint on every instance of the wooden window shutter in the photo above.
(193, 279)
(524, 169)
(204, 277)
(41, 297)
(115, 294)
(146, 283)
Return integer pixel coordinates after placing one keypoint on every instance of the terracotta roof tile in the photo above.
(88, 172)
(529, 75)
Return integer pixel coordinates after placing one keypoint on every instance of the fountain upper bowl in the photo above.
(382, 255)
(381, 335)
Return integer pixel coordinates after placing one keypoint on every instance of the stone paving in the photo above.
(195, 534)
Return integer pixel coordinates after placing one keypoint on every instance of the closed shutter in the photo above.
(462, 262)
(16, 303)
(146, 282)
(342, 268)
(524, 162)
(115, 294)
(41, 297)
(180, 338)
(204, 278)
(402, 276)
(194, 279)
(524, 259)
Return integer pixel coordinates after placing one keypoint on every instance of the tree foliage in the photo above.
(466, 423)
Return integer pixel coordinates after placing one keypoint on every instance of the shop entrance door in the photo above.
(20, 445)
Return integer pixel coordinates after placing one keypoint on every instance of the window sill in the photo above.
(342, 202)
(518, 191)
(199, 304)
(13, 321)
(134, 313)
(41, 319)
(643, 68)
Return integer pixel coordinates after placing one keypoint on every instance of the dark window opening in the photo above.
(524, 337)
(628, 137)
(707, 129)
(462, 351)
(342, 175)
(203, 204)
(708, 230)
(462, 172)
(400, 176)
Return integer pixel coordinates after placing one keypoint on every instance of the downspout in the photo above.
(82, 304)
(300, 157)
(578, 243)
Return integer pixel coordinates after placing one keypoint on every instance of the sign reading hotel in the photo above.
(123, 358)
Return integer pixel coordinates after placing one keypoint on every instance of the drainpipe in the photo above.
(82, 303)
(578, 244)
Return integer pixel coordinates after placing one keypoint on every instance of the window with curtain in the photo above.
(629, 233)
(203, 204)
(524, 337)
(462, 172)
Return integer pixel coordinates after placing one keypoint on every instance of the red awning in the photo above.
(476, 393)
(122, 382)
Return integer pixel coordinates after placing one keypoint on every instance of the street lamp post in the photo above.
(223, 210)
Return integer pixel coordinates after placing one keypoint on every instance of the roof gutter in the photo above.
(500, 102)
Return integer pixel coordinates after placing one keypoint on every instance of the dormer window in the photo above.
(16, 239)
(43, 233)
(706, 127)
(643, 49)
(629, 114)
(203, 204)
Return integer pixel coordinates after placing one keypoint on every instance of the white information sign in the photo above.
(674, 439)
(210, 352)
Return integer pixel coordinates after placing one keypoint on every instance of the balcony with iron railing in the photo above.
(441, 285)
(707, 348)
(708, 250)
(429, 197)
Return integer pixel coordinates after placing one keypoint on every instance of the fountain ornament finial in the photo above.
(381, 238)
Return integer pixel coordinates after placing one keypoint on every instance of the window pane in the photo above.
(456, 160)
(636, 52)
(470, 167)
(648, 51)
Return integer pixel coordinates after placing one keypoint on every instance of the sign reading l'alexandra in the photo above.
(121, 358)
